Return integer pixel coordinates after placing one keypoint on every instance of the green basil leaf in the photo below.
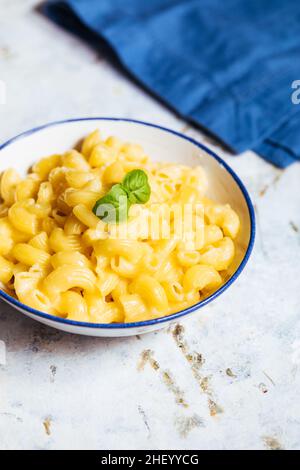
(137, 186)
(114, 206)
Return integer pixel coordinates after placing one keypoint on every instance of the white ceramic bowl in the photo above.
(162, 145)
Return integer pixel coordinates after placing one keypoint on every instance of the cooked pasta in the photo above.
(62, 257)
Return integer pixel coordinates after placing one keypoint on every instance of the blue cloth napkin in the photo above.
(225, 65)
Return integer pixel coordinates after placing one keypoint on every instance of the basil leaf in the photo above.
(114, 206)
(137, 186)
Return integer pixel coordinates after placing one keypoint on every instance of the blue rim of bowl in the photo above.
(166, 318)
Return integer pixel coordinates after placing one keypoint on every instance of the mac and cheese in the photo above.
(59, 257)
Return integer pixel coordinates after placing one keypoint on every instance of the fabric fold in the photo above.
(226, 66)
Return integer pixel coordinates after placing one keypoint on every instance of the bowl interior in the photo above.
(159, 144)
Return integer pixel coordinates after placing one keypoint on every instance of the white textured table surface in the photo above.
(241, 387)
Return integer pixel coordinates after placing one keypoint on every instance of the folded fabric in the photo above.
(227, 66)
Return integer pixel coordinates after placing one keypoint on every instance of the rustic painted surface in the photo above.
(227, 378)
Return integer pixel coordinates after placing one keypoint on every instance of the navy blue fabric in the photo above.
(225, 65)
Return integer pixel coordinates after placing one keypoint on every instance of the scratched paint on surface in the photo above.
(166, 376)
(272, 443)
(47, 425)
(186, 424)
(196, 362)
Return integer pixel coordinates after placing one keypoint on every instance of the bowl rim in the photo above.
(167, 318)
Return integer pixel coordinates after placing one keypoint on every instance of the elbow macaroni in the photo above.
(57, 256)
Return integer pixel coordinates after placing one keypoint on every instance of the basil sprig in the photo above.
(114, 206)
